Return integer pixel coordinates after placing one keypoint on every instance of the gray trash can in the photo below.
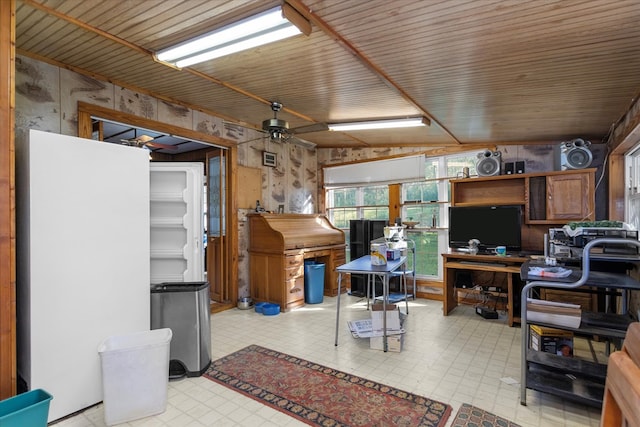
(184, 308)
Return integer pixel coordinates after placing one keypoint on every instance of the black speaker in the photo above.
(519, 167)
(488, 163)
(574, 154)
(509, 168)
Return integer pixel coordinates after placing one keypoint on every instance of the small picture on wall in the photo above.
(269, 159)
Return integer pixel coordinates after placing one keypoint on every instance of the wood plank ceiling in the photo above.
(484, 72)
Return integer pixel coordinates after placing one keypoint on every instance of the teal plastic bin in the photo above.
(313, 282)
(26, 409)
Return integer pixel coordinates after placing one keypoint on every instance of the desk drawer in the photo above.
(294, 290)
(293, 272)
(293, 261)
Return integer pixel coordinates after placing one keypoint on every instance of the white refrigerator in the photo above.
(83, 265)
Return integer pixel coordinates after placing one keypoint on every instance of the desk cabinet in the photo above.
(278, 246)
(573, 378)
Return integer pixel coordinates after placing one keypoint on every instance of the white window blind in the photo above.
(389, 171)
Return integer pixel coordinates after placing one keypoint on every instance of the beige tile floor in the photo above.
(461, 358)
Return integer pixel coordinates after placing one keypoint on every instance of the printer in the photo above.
(568, 242)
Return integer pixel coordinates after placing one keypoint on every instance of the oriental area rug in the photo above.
(318, 395)
(471, 416)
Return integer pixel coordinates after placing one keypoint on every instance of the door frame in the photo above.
(85, 130)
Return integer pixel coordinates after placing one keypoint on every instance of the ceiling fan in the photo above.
(279, 131)
(146, 141)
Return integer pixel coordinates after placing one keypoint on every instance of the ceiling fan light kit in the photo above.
(272, 25)
(381, 124)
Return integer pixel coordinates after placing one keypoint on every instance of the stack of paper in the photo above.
(364, 329)
(554, 313)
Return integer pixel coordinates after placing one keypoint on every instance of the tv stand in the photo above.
(455, 261)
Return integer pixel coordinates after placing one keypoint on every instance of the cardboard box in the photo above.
(394, 343)
(550, 340)
(377, 318)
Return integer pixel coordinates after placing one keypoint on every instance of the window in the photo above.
(632, 205)
(345, 204)
(425, 201)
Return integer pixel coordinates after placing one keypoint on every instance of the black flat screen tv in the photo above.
(491, 225)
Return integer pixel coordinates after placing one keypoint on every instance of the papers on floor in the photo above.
(373, 327)
(364, 329)
(549, 271)
(554, 313)
(510, 380)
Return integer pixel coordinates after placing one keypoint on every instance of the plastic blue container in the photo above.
(270, 309)
(259, 306)
(26, 409)
(313, 282)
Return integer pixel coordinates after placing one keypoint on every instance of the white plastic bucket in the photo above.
(135, 375)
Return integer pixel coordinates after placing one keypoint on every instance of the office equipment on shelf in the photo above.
(575, 379)
(568, 242)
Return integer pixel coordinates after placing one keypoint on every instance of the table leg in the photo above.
(385, 295)
(338, 307)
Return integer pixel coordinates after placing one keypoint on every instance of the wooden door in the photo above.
(216, 250)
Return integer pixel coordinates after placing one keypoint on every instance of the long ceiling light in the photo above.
(381, 124)
(267, 27)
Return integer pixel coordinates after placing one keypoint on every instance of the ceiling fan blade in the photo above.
(315, 127)
(161, 146)
(144, 138)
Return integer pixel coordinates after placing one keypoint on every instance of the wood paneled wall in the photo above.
(7, 201)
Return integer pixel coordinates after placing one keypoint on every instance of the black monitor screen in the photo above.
(491, 225)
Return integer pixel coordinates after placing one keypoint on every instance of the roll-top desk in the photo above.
(278, 246)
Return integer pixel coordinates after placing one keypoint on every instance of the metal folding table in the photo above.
(363, 265)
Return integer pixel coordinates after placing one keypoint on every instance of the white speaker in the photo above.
(488, 163)
(574, 154)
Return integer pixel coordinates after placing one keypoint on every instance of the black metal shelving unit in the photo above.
(573, 378)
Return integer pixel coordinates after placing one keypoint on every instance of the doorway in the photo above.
(218, 155)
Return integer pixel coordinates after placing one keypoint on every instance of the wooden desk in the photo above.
(278, 246)
(454, 261)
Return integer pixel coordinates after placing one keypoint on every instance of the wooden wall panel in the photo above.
(7, 201)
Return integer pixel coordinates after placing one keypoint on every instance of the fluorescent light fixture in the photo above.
(381, 124)
(267, 27)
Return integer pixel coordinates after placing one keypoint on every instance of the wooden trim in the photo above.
(434, 152)
(395, 207)
(616, 187)
(85, 111)
(8, 375)
(119, 116)
(232, 223)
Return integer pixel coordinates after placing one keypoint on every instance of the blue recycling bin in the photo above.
(313, 282)
(27, 409)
